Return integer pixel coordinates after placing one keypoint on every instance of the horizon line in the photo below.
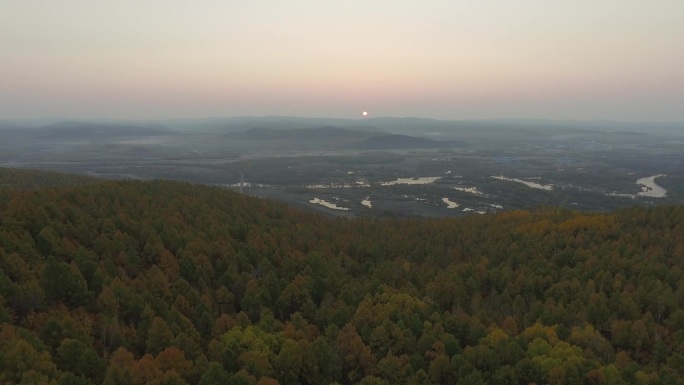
(361, 118)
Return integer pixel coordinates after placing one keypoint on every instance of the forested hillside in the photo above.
(16, 179)
(171, 283)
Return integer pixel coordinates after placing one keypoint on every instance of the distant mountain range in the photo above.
(417, 126)
(268, 131)
(309, 134)
(396, 141)
(269, 127)
(84, 130)
(357, 138)
(75, 130)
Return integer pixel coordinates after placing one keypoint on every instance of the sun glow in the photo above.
(364, 113)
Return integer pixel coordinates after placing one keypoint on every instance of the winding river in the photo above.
(650, 188)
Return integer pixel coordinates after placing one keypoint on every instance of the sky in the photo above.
(452, 59)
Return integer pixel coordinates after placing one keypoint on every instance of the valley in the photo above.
(414, 167)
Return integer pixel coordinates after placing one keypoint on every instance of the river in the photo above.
(651, 189)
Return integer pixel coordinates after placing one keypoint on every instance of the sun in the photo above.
(364, 113)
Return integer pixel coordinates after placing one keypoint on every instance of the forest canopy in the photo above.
(171, 283)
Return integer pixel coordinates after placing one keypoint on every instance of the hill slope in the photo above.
(327, 133)
(16, 179)
(75, 130)
(343, 137)
(171, 283)
(383, 142)
(81, 130)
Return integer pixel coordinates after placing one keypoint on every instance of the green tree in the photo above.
(81, 359)
(288, 364)
(372, 380)
(215, 375)
(62, 282)
(19, 359)
(159, 336)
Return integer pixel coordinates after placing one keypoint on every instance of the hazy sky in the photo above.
(578, 59)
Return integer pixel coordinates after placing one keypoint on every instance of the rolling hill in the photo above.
(384, 142)
(321, 134)
(85, 130)
(339, 137)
